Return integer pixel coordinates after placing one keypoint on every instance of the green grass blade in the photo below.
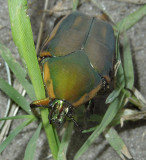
(18, 71)
(75, 4)
(119, 77)
(23, 38)
(131, 19)
(108, 117)
(51, 135)
(89, 130)
(14, 95)
(117, 143)
(127, 64)
(31, 147)
(65, 142)
(19, 117)
(113, 95)
(13, 134)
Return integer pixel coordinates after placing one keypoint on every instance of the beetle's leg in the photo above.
(50, 115)
(89, 107)
(69, 115)
(104, 84)
(39, 103)
(56, 110)
(53, 107)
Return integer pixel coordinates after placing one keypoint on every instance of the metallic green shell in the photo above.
(89, 34)
(82, 51)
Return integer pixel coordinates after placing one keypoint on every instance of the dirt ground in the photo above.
(133, 133)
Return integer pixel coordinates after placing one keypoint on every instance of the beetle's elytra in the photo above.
(76, 59)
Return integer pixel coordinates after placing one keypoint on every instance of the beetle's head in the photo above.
(60, 109)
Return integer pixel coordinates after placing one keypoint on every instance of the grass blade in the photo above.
(18, 71)
(128, 64)
(117, 143)
(30, 149)
(89, 130)
(75, 4)
(119, 72)
(108, 117)
(115, 93)
(19, 117)
(13, 134)
(65, 142)
(131, 19)
(23, 38)
(15, 95)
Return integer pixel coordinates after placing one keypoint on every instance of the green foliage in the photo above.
(15, 95)
(13, 134)
(19, 72)
(31, 146)
(65, 142)
(117, 143)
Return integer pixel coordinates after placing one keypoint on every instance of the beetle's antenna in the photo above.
(75, 123)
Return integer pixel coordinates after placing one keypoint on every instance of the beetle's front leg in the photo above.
(39, 103)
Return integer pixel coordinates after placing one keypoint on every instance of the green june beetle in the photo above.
(77, 62)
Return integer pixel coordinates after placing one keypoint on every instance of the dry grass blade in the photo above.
(9, 100)
(140, 97)
(61, 7)
(41, 26)
(133, 117)
(13, 111)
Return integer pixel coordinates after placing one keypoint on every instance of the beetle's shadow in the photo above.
(78, 138)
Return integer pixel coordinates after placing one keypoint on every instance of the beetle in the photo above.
(77, 62)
